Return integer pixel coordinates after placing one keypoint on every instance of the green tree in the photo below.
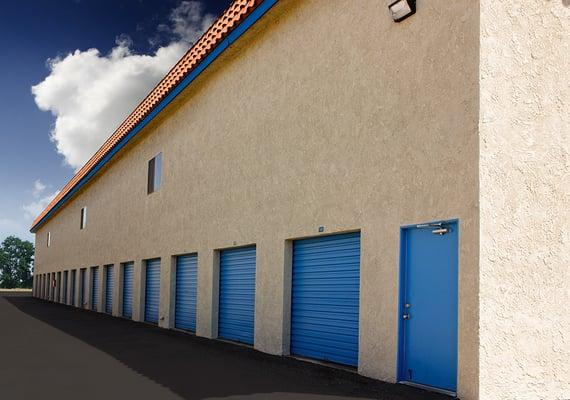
(16, 263)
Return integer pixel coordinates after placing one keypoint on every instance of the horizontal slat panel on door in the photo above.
(109, 289)
(152, 292)
(325, 298)
(128, 273)
(186, 292)
(237, 295)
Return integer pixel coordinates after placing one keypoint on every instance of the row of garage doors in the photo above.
(324, 297)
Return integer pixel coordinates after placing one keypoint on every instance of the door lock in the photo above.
(406, 316)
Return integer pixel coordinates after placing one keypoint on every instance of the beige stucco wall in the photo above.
(326, 114)
(525, 198)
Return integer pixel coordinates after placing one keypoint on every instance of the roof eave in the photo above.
(108, 151)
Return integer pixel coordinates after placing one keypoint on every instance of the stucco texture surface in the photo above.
(326, 113)
(524, 200)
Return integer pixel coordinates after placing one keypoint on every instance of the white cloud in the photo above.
(34, 208)
(8, 225)
(188, 21)
(12, 227)
(90, 93)
(39, 188)
(18, 222)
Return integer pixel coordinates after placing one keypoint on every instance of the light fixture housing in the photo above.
(401, 9)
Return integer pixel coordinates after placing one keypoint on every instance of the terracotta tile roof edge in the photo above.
(216, 33)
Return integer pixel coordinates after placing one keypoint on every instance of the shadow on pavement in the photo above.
(199, 368)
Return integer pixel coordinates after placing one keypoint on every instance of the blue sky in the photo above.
(73, 52)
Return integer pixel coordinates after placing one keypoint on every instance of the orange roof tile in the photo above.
(234, 14)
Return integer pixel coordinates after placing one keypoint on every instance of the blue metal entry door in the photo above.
(186, 290)
(325, 298)
(237, 295)
(428, 306)
(152, 292)
(94, 288)
(109, 289)
(128, 274)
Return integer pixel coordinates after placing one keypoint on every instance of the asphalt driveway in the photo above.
(50, 351)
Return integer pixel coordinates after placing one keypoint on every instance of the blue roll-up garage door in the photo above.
(109, 289)
(58, 287)
(52, 286)
(82, 288)
(237, 295)
(72, 288)
(186, 289)
(128, 273)
(94, 288)
(325, 298)
(152, 291)
(64, 286)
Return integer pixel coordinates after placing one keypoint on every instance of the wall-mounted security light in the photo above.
(401, 9)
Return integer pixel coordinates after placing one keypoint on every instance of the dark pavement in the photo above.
(52, 351)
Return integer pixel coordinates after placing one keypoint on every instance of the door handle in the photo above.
(406, 316)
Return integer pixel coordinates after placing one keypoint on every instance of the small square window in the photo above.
(154, 173)
(83, 221)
